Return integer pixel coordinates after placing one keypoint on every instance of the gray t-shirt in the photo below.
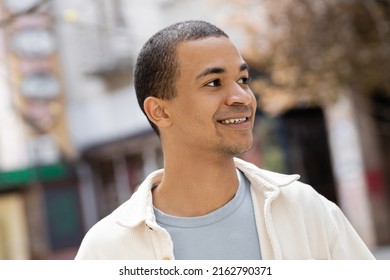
(227, 233)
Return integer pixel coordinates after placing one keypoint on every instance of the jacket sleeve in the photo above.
(345, 243)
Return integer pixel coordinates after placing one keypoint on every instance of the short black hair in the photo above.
(156, 70)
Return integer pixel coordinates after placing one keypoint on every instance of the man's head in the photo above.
(157, 68)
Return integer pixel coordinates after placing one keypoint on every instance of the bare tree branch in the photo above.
(34, 9)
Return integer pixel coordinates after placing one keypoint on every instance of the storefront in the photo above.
(41, 214)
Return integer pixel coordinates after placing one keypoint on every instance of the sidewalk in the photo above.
(382, 252)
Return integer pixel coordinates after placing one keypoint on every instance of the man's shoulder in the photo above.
(127, 215)
(107, 226)
(106, 238)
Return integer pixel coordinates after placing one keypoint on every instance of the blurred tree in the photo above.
(312, 50)
(30, 9)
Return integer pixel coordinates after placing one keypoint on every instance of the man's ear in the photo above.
(156, 111)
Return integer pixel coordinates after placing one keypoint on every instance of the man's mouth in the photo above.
(234, 121)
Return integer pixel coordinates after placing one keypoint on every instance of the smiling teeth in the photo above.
(230, 121)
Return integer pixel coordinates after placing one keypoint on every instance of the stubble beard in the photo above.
(233, 150)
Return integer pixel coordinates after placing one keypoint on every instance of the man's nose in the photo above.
(238, 95)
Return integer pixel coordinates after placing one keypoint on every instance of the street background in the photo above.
(74, 144)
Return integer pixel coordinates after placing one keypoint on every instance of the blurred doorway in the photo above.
(307, 149)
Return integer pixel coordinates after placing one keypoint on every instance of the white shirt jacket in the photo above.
(292, 219)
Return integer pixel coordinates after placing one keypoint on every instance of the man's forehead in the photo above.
(210, 55)
(207, 42)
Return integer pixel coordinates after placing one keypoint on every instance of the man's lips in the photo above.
(236, 116)
(234, 120)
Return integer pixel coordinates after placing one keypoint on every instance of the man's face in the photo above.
(214, 108)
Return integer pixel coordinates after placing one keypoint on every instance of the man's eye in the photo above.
(243, 80)
(214, 83)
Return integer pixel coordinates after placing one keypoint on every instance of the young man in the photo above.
(192, 84)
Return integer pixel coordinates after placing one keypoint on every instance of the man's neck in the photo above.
(195, 186)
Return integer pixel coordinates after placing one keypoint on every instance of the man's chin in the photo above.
(235, 150)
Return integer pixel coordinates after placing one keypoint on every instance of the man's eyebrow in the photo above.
(244, 67)
(211, 70)
(219, 70)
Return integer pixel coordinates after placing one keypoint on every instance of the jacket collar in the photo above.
(139, 209)
(270, 181)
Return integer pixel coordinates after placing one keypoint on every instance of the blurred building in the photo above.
(39, 195)
(74, 144)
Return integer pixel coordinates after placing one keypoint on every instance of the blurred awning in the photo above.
(21, 178)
